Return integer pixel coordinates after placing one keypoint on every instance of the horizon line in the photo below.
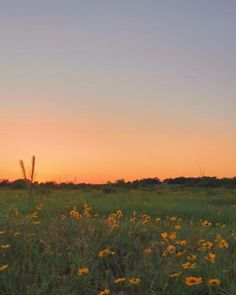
(123, 179)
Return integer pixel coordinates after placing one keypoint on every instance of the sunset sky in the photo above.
(102, 90)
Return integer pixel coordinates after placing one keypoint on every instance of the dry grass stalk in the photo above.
(32, 170)
(22, 166)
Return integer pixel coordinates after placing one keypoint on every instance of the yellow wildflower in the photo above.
(74, 213)
(134, 281)
(188, 265)
(83, 271)
(206, 223)
(172, 236)
(164, 236)
(62, 216)
(214, 282)
(170, 249)
(132, 219)
(106, 252)
(104, 292)
(147, 251)
(87, 210)
(39, 207)
(119, 213)
(205, 245)
(180, 253)
(192, 257)
(174, 274)
(223, 244)
(181, 242)
(6, 246)
(3, 267)
(210, 257)
(119, 280)
(191, 281)
(146, 218)
(34, 215)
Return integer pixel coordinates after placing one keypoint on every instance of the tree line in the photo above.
(149, 183)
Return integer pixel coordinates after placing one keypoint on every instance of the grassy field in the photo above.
(168, 241)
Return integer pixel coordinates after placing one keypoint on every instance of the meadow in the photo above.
(169, 241)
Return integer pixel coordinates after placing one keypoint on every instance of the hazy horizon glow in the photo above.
(103, 90)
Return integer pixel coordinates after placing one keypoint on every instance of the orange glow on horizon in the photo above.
(95, 147)
(87, 155)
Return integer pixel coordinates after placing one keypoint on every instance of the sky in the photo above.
(104, 90)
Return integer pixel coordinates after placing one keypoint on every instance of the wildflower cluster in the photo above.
(113, 219)
(118, 252)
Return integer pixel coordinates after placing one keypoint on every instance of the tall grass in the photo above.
(31, 177)
(50, 244)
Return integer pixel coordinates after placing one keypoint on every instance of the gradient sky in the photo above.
(102, 90)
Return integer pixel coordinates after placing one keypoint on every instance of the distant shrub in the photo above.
(19, 184)
(108, 189)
